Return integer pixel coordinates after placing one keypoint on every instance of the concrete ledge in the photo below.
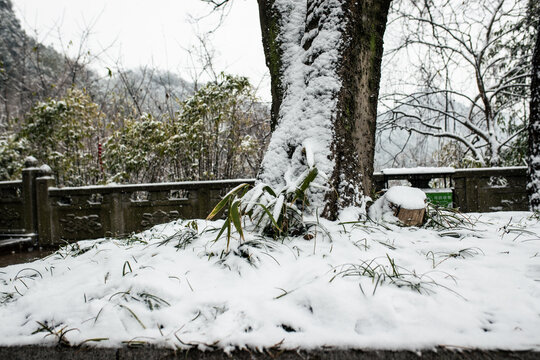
(154, 353)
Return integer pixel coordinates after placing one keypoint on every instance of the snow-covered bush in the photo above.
(62, 133)
(216, 134)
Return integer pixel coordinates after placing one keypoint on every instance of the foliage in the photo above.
(379, 273)
(61, 133)
(472, 80)
(442, 218)
(217, 133)
(64, 135)
(12, 154)
(135, 151)
(273, 213)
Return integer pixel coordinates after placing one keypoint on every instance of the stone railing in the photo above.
(473, 190)
(92, 212)
(18, 212)
(35, 210)
(491, 189)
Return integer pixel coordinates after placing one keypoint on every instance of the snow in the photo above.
(494, 168)
(476, 285)
(45, 169)
(406, 197)
(419, 170)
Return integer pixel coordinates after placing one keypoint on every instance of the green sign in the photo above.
(440, 197)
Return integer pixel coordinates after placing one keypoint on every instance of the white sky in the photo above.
(154, 33)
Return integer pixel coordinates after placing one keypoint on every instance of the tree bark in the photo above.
(270, 20)
(324, 58)
(534, 128)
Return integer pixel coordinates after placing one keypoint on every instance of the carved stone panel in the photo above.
(81, 224)
(9, 217)
(158, 217)
(10, 193)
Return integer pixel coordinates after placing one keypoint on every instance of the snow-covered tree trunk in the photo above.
(324, 58)
(534, 129)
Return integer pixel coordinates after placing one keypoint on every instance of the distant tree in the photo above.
(62, 133)
(134, 152)
(469, 84)
(217, 133)
(31, 72)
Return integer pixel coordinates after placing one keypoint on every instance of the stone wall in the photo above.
(36, 210)
(473, 190)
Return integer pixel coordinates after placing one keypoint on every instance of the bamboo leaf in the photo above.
(218, 208)
(309, 179)
(270, 216)
(269, 190)
(236, 218)
(229, 196)
(225, 225)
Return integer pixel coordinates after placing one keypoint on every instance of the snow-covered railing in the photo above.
(71, 214)
(18, 206)
(419, 177)
(35, 208)
(473, 190)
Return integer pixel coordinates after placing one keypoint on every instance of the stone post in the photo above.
(203, 202)
(46, 231)
(29, 175)
(116, 214)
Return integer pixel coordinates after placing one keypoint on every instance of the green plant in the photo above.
(385, 273)
(463, 253)
(12, 153)
(438, 217)
(275, 214)
(63, 133)
(184, 236)
(57, 331)
(216, 133)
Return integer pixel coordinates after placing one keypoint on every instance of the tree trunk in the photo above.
(324, 58)
(271, 20)
(534, 129)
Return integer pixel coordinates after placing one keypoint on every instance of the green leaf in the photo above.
(234, 214)
(309, 179)
(226, 224)
(218, 208)
(229, 196)
(270, 216)
(269, 190)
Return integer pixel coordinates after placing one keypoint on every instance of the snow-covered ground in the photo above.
(355, 285)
